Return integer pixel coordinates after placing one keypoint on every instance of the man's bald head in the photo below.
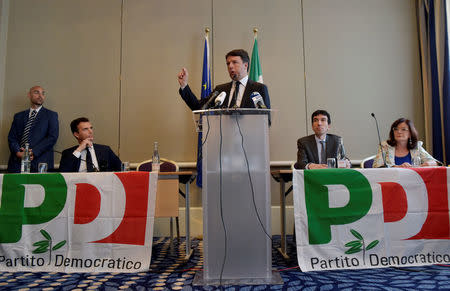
(37, 96)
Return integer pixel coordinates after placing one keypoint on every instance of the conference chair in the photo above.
(166, 205)
(368, 162)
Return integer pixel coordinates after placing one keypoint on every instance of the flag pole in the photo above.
(205, 92)
(255, 32)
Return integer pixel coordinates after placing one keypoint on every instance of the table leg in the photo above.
(188, 224)
(283, 247)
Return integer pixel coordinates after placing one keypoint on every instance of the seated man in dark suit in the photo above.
(87, 156)
(238, 90)
(315, 149)
(37, 126)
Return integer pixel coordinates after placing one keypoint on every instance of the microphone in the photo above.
(258, 100)
(103, 166)
(383, 154)
(210, 100)
(220, 99)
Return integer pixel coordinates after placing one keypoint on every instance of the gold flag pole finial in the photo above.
(207, 30)
(255, 31)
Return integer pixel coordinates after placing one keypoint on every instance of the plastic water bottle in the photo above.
(155, 158)
(341, 162)
(25, 165)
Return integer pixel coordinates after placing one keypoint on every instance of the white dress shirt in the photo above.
(319, 149)
(32, 109)
(242, 86)
(82, 155)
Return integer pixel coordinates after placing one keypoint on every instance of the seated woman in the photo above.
(402, 147)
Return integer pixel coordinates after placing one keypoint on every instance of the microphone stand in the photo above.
(383, 154)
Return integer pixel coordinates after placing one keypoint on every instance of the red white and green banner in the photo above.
(371, 218)
(77, 222)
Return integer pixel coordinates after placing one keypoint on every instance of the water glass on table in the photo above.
(331, 163)
(416, 162)
(125, 166)
(42, 168)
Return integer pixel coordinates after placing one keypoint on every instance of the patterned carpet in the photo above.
(168, 271)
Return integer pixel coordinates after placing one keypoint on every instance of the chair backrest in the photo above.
(165, 166)
(166, 204)
(368, 162)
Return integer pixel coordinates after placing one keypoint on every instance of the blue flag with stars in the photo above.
(206, 91)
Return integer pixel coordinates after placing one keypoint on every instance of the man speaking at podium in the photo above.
(238, 91)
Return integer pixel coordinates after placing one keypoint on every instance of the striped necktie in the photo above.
(27, 130)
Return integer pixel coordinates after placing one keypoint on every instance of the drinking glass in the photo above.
(42, 168)
(331, 163)
(416, 162)
(125, 166)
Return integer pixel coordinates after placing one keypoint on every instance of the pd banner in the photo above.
(77, 222)
(371, 218)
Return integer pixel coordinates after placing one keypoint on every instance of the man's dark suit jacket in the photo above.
(252, 86)
(307, 149)
(106, 158)
(43, 136)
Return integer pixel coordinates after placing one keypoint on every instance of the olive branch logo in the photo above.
(358, 245)
(46, 245)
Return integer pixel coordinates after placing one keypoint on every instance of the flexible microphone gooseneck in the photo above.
(383, 154)
(211, 100)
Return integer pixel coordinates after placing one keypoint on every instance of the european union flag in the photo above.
(206, 91)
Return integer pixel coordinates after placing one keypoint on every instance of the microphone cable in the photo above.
(200, 156)
(251, 181)
(221, 203)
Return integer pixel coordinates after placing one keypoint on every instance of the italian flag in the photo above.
(255, 66)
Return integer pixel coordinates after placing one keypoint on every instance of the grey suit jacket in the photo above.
(307, 149)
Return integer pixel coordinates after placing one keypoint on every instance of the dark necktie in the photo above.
(27, 130)
(235, 95)
(89, 164)
(323, 153)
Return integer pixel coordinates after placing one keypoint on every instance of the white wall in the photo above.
(118, 64)
(4, 13)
